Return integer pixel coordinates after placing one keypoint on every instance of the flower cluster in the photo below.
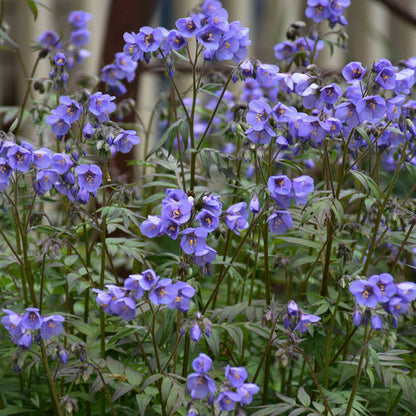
(176, 211)
(380, 290)
(121, 301)
(233, 392)
(22, 327)
(218, 38)
(297, 320)
(64, 57)
(332, 10)
(53, 170)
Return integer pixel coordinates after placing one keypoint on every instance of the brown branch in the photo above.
(399, 10)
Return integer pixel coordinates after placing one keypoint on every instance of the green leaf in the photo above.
(8, 39)
(169, 134)
(70, 260)
(303, 397)
(121, 390)
(319, 407)
(133, 376)
(236, 334)
(114, 366)
(213, 342)
(368, 183)
(33, 8)
(297, 412)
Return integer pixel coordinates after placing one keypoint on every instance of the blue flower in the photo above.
(152, 226)
(280, 221)
(193, 240)
(89, 177)
(227, 400)
(184, 294)
(202, 364)
(163, 293)
(364, 293)
(32, 319)
(236, 375)
(101, 105)
(200, 385)
(51, 325)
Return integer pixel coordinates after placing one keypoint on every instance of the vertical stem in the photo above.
(266, 261)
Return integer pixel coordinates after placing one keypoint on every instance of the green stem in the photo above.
(358, 372)
(29, 85)
(266, 262)
(404, 242)
(54, 396)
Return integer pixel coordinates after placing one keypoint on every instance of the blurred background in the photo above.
(377, 28)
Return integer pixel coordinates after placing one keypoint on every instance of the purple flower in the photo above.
(32, 319)
(188, 26)
(279, 185)
(89, 177)
(42, 158)
(101, 105)
(259, 113)
(59, 59)
(124, 307)
(405, 80)
(200, 385)
(61, 163)
(302, 187)
(364, 293)
(383, 286)
(49, 38)
(131, 47)
(79, 18)
(236, 375)
(193, 240)
(51, 325)
(254, 205)
(132, 284)
(227, 400)
(170, 228)
(19, 158)
(371, 108)
(280, 221)
(5, 171)
(204, 259)
(317, 10)
(80, 37)
(347, 113)
(357, 317)
(179, 212)
(354, 71)
(163, 293)
(386, 78)
(148, 279)
(263, 136)
(58, 123)
(330, 94)
(212, 203)
(305, 322)
(195, 332)
(236, 217)
(152, 226)
(184, 294)
(45, 179)
(407, 291)
(246, 392)
(208, 220)
(202, 364)
(376, 322)
(149, 39)
(209, 36)
(267, 75)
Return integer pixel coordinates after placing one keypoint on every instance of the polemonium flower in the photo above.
(132, 284)
(386, 78)
(202, 364)
(61, 163)
(179, 212)
(383, 286)
(24, 341)
(148, 279)
(330, 94)
(59, 59)
(195, 332)
(263, 136)
(364, 293)
(280, 221)
(19, 158)
(193, 240)
(49, 38)
(236, 375)
(57, 122)
(170, 228)
(407, 291)
(89, 177)
(227, 400)
(149, 39)
(357, 317)
(347, 113)
(163, 293)
(184, 294)
(45, 179)
(200, 385)
(79, 18)
(279, 185)
(254, 205)
(212, 203)
(152, 226)
(246, 392)
(236, 217)
(376, 322)
(204, 259)
(124, 307)
(101, 105)
(51, 325)
(209, 36)
(317, 10)
(80, 37)
(405, 79)
(208, 220)
(267, 75)
(354, 71)
(189, 26)
(305, 321)
(42, 158)
(302, 187)
(259, 114)
(69, 109)
(371, 108)
(5, 171)
(32, 319)
(131, 47)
